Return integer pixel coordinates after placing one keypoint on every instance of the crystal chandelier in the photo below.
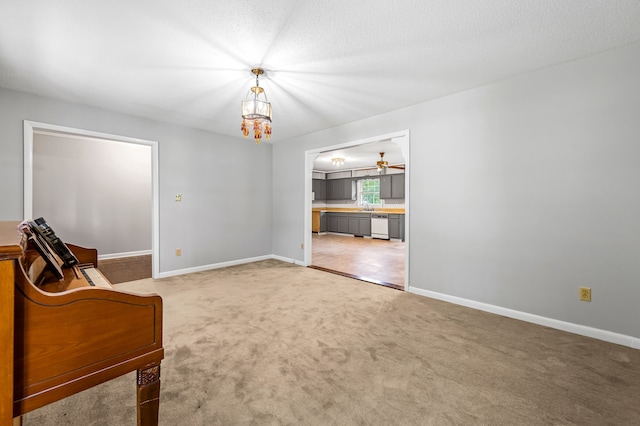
(256, 111)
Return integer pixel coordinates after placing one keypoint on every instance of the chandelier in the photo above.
(337, 161)
(256, 111)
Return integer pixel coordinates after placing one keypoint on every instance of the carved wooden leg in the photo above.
(148, 384)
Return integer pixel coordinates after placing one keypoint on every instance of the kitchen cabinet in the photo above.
(339, 189)
(319, 221)
(396, 226)
(332, 189)
(338, 222)
(332, 222)
(392, 186)
(346, 223)
(360, 224)
(343, 223)
(319, 188)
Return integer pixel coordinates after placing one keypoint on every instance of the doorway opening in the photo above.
(362, 255)
(147, 150)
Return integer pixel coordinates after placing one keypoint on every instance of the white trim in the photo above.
(403, 139)
(27, 134)
(596, 333)
(224, 265)
(287, 259)
(124, 254)
(31, 127)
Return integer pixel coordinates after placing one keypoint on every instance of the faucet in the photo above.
(366, 207)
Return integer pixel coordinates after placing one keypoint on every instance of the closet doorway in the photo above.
(89, 183)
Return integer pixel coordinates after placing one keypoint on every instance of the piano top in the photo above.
(13, 246)
(10, 240)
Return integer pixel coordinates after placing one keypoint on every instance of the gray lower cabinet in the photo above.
(396, 226)
(323, 221)
(343, 223)
(360, 224)
(332, 222)
(346, 223)
(365, 225)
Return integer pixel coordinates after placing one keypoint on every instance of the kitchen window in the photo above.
(369, 191)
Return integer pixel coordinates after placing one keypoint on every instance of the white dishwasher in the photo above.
(380, 226)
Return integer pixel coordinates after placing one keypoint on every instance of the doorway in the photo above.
(149, 150)
(373, 260)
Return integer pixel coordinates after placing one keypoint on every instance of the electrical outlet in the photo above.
(301, 246)
(178, 252)
(585, 294)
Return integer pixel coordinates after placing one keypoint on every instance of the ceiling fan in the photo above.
(382, 164)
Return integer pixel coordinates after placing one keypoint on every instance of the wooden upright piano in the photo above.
(62, 336)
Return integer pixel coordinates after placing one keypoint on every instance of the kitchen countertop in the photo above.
(352, 210)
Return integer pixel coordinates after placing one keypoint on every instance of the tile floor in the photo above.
(366, 258)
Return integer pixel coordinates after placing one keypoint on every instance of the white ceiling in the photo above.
(360, 156)
(328, 62)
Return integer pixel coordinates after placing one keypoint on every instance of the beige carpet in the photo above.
(271, 343)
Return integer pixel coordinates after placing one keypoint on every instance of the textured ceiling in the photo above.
(328, 62)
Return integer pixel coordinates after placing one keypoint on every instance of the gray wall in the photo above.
(226, 184)
(109, 207)
(521, 191)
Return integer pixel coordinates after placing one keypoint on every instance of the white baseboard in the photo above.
(288, 260)
(124, 254)
(225, 264)
(596, 333)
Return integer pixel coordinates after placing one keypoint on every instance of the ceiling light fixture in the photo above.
(256, 110)
(337, 161)
(382, 164)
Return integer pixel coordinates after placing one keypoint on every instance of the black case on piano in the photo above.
(44, 230)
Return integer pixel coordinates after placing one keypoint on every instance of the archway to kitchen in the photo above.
(400, 142)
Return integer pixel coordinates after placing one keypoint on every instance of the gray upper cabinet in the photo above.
(392, 186)
(319, 187)
(339, 189)
(397, 186)
(385, 187)
(332, 189)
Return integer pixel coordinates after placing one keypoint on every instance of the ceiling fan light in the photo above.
(382, 163)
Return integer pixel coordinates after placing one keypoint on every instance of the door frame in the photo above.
(402, 138)
(31, 127)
